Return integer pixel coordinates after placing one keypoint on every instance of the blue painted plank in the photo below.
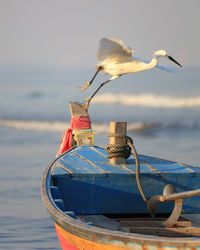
(130, 162)
(99, 152)
(168, 166)
(59, 170)
(77, 165)
(143, 167)
(99, 159)
(55, 192)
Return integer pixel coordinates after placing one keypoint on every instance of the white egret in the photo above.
(117, 60)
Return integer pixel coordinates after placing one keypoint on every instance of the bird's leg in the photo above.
(88, 100)
(85, 86)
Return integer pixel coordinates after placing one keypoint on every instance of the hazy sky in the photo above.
(66, 33)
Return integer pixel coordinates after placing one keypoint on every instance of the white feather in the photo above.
(114, 49)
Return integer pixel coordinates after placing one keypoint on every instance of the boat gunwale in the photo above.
(81, 229)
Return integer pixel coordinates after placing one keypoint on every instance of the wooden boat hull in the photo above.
(75, 234)
(69, 241)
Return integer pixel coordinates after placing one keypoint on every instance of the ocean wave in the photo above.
(34, 125)
(59, 126)
(148, 100)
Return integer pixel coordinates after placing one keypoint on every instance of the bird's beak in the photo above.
(173, 60)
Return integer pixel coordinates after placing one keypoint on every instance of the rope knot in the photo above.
(118, 150)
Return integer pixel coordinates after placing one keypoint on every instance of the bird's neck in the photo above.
(152, 63)
(149, 65)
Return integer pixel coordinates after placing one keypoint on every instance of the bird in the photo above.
(116, 59)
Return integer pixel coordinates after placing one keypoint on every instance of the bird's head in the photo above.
(159, 53)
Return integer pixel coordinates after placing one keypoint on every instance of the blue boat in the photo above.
(97, 205)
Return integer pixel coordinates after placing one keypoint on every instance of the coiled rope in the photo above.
(124, 151)
(118, 150)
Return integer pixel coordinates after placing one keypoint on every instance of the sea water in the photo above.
(162, 111)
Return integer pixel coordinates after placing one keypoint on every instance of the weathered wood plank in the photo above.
(152, 224)
(101, 221)
(194, 218)
(168, 232)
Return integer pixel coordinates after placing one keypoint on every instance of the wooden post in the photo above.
(78, 109)
(118, 128)
(81, 136)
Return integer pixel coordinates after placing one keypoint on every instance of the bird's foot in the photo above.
(85, 86)
(87, 102)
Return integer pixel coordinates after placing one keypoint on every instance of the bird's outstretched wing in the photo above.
(167, 68)
(159, 66)
(115, 49)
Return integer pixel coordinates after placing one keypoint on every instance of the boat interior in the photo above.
(137, 223)
(143, 224)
